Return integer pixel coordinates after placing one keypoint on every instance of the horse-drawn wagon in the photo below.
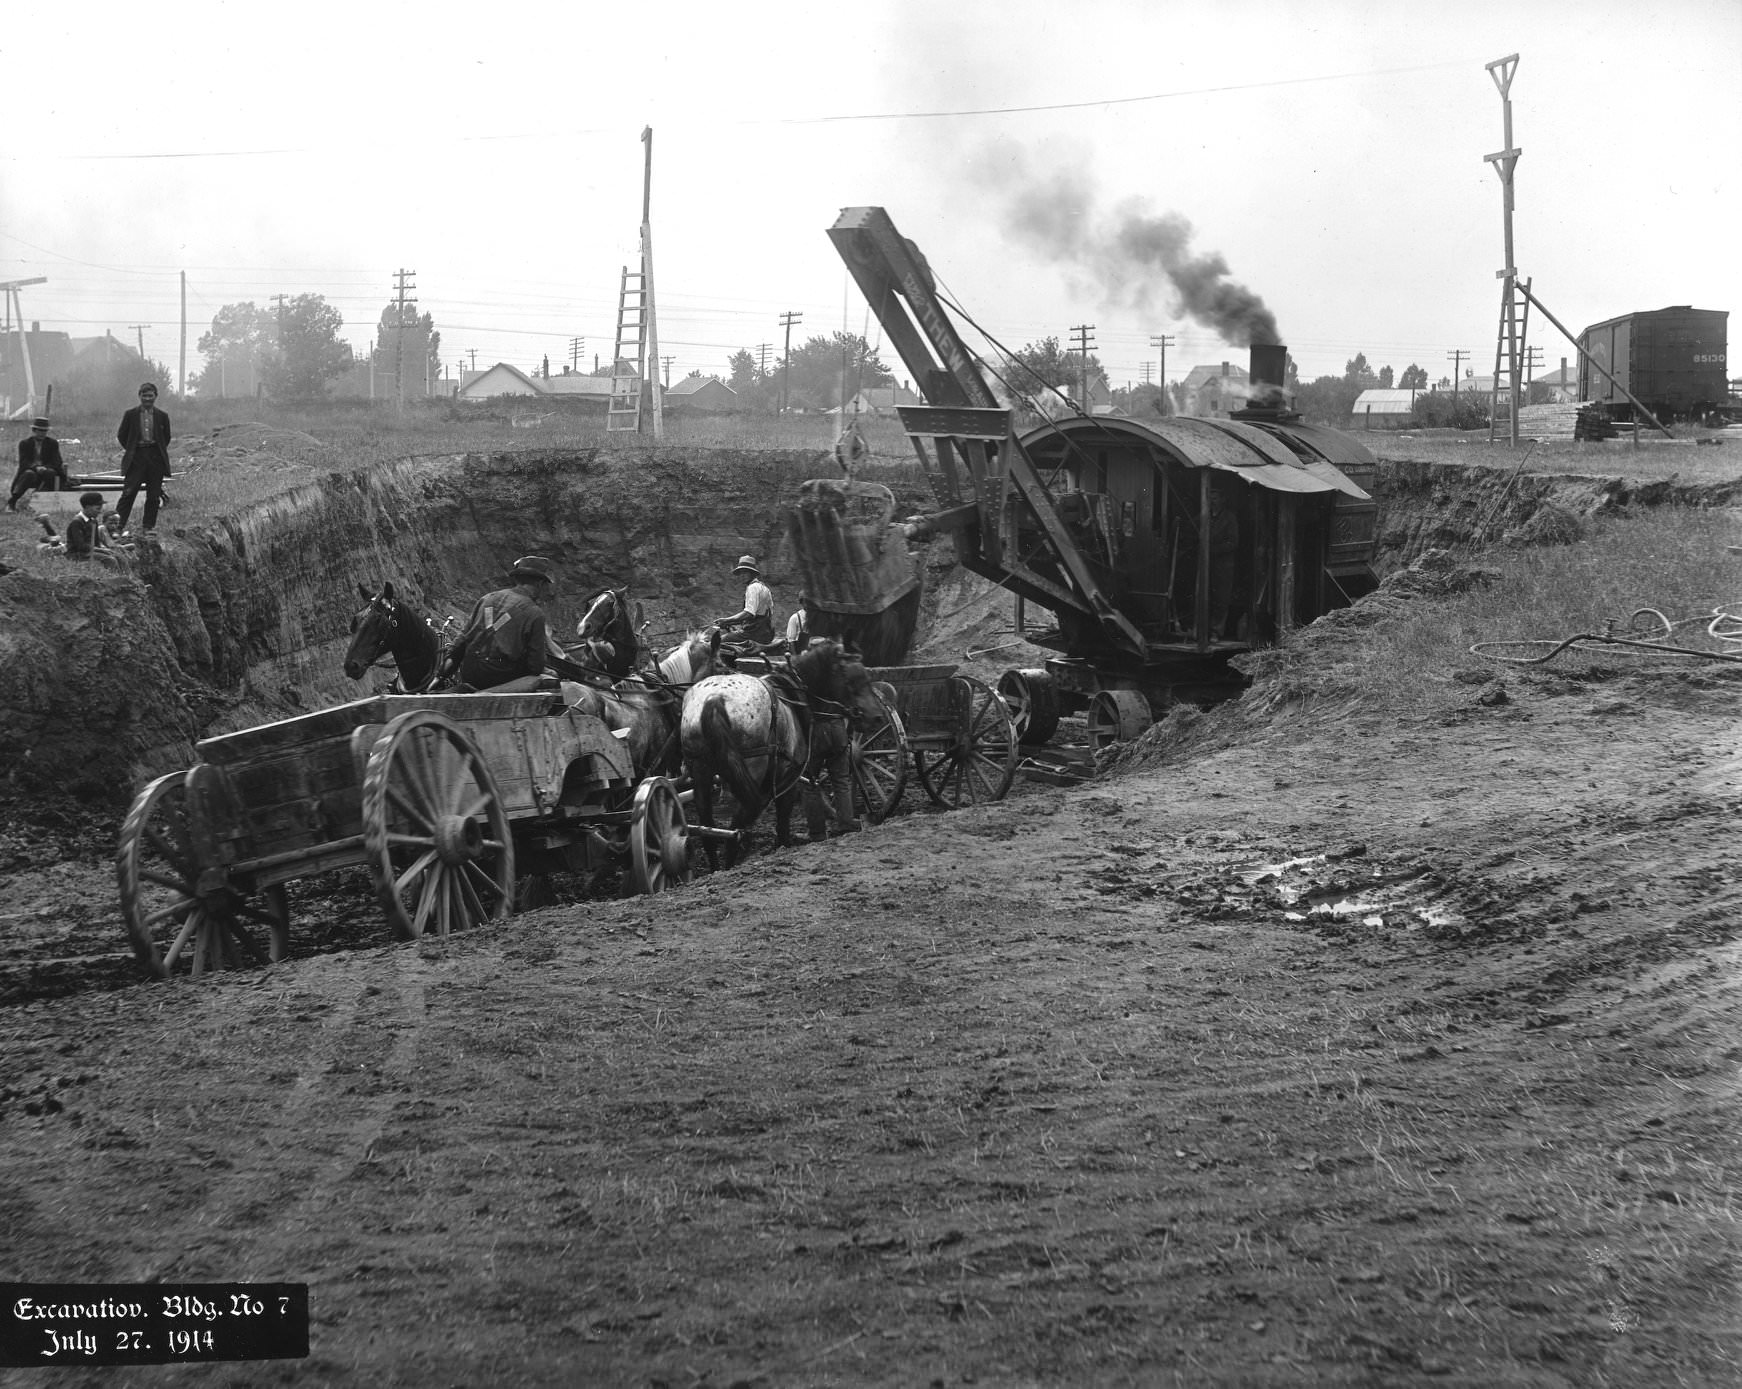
(444, 798)
(953, 730)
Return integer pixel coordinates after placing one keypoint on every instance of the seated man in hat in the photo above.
(506, 641)
(40, 466)
(757, 615)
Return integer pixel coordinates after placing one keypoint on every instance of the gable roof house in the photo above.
(1215, 390)
(500, 379)
(701, 395)
(876, 400)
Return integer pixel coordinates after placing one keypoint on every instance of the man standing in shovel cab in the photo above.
(757, 617)
(506, 641)
(144, 433)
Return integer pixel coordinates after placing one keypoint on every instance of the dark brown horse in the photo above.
(760, 736)
(608, 639)
(390, 629)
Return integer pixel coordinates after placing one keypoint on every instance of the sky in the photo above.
(1330, 154)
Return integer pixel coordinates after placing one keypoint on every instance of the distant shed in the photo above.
(1383, 409)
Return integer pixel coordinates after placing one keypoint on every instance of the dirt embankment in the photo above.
(247, 622)
(109, 679)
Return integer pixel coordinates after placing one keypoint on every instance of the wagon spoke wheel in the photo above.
(981, 762)
(173, 929)
(659, 838)
(1033, 701)
(435, 834)
(879, 763)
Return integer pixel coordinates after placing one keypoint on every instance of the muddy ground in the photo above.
(1359, 1050)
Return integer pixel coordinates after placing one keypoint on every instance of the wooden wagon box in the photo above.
(297, 784)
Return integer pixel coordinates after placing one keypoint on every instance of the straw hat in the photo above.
(747, 564)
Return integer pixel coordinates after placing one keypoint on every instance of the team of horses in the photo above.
(764, 737)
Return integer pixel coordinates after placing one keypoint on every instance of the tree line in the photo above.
(292, 350)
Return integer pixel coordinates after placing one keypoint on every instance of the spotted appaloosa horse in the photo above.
(392, 627)
(757, 734)
(608, 639)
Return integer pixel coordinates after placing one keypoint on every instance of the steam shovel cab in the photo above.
(1135, 498)
(1100, 519)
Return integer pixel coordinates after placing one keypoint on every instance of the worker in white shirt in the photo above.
(757, 616)
(798, 626)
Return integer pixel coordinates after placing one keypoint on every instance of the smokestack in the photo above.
(1266, 396)
(1269, 365)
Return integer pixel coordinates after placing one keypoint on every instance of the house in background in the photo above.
(1214, 391)
(877, 400)
(500, 379)
(574, 385)
(1563, 384)
(702, 395)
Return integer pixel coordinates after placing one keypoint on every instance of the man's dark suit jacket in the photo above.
(128, 437)
(51, 458)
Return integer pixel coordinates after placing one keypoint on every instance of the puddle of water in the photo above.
(1389, 900)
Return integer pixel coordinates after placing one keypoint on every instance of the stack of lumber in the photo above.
(1572, 421)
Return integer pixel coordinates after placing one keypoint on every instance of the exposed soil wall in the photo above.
(110, 678)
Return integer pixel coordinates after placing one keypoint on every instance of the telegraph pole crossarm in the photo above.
(1504, 162)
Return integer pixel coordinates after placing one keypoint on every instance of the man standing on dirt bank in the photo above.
(40, 468)
(506, 638)
(144, 433)
(757, 617)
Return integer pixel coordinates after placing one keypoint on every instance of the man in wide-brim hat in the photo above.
(40, 468)
(757, 615)
(507, 637)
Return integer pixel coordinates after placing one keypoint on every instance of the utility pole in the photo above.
(181, 368)
(1507, 342)
(666, 363)
(1532, 360)
(762, 351)
(402, 284)
(577, 346)
(474, 354)
(13, 302)
(651, 346)
(1081, 333)
(788, 319)
(1163, 341)
(1147, 371)
(140, 327)
(1457, 355)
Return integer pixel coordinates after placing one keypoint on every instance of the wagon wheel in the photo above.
(980, 763)
(659, 838)
(1117, 716)
(435, 835)
(1033, 701)
(879, 762)
(170, 926)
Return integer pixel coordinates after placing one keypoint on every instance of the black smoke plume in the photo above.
(1134, 258)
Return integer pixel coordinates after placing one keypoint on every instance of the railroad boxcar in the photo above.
(1672, 360)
